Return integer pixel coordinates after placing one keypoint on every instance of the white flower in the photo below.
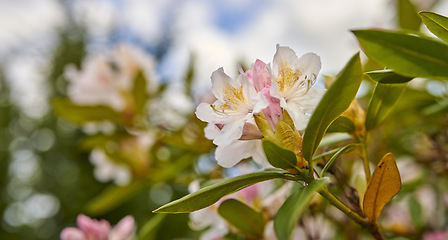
(105, 79)
(230, 117)
(106, 169)
(292, 79)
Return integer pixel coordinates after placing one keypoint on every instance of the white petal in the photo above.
(231, 131)
(260, 102)
(299, 118)
(275, 89)
(206, 113)
(248, 88)
(310, 100)
(211, 131)
(310, 65)
(258, 154)
(220, 80)
(228, 156)
(284, 55)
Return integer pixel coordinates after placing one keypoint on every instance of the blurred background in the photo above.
(46, 178)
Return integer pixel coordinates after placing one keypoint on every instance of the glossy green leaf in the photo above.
(436, 23)
(384, 98)
(243, 217)
(278, 156)
(334, 138)
(342, 124)
(387, 77)
(342, 150)
(112, 197)
(81, 114)
(290, 212)
(211, 194)
(139, 93)
(405, 54)
(407, 15)
(335, 101)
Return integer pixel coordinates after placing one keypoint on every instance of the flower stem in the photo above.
(365, 161)
(337, 203)
(364, 222)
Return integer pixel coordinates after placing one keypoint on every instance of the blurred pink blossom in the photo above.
(92, 229)
(437, 235)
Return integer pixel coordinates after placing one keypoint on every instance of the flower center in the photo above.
(290, 84)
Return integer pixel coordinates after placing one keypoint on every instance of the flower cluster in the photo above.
(113, 90)
(107, 79)
(265, 91)
(91, 229)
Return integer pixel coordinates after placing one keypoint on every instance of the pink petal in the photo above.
(273, 112)
(261, 75)
(93, 229)
(124, 229)
(72, 233)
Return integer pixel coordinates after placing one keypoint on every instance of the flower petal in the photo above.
(206, 113)
(228, 156)
(220, 80)
(261, 76)
(231, 131)
(72, 233)
(123, 230)
(298, 116)
(93, 229)
(309, 64)
(284, 55)
(211, 131)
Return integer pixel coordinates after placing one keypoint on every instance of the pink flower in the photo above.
(261, 79)
(437, 235)
(92, 229)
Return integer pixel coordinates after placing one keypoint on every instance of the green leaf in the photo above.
(139, 93)
(336, 155)
(416, 211)
(149, 230)
(382, 102)
(334, 138)
(112, 197)
(81, 114)
(335, 101)
(438, 107)
(407, 15)
(406, 54)
(342, 124)
(278, 156)
(243, 217)
(290, 212)
(211, 194)
(436, 23)
(387, 76)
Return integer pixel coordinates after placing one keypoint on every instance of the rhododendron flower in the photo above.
(91, 229)
(292, 80)
(106, 169)
(230, 117)
(106, 79)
